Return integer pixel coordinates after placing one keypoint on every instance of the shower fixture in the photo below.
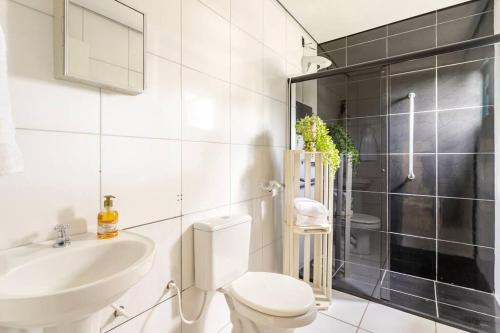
(314, 63)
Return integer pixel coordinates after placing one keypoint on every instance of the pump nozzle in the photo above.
(108, 200)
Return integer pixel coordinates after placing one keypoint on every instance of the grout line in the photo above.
(29, 7)
(424, 195)
(180, 197)
(58, 131)
(140, 313)
(464, 17)
(409, 294)
(470, 310)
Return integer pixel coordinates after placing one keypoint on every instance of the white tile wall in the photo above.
(210, 126)
(209, 188)
(246, 60)
(60, 184)
(248, 16)
(156, 113)
(205, 107)
(205, 40)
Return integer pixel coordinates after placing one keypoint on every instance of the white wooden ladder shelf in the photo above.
(307, 176)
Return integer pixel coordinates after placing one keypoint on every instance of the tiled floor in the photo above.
(352, 314)
(469, 309)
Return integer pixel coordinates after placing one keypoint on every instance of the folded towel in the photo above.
(309, 207)
(310, 221)
(11, 160)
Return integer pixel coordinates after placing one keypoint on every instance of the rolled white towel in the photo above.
(309, 207)
(303, 220)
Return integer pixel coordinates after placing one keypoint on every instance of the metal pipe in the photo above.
(400, 58)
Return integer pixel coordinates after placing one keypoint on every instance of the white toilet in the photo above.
(361, 225)
(259, 302)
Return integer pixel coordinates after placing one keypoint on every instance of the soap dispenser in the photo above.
(107, 220)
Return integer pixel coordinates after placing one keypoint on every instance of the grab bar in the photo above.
(411, 175)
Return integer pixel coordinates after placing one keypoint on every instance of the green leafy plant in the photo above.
(344, 143)
(317, 138)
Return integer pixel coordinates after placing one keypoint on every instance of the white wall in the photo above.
(210, 126)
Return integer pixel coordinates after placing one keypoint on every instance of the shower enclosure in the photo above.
(415, 214)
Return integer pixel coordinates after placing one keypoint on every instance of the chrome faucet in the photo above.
(62, 236)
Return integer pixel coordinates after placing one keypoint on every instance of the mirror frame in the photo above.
(61, 51)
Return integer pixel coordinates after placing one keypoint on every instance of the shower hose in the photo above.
(171, 285)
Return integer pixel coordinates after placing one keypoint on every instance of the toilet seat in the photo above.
(274, 322)
(273, 294)
(365, 221)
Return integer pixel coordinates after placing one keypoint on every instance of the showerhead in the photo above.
(313, 63)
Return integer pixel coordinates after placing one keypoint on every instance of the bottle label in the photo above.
(105, 228)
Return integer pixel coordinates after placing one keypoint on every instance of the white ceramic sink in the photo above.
(62, 289)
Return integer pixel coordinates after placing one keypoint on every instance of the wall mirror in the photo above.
(100, 43)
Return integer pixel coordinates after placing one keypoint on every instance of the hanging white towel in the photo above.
(11, 160)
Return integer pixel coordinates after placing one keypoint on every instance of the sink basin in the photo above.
(51, 288)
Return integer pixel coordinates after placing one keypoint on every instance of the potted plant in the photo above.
(317, 138)
(344, 143)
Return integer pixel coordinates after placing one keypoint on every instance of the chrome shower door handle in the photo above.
(411, 97)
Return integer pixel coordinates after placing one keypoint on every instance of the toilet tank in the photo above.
(221, 250)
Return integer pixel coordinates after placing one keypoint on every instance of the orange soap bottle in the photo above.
(107, 220)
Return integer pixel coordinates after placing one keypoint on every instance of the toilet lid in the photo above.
(273, 294)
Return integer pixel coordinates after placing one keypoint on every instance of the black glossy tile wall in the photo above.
(466, 85)
(467, 221)
(332, 45)
(409, 284)
(367, 247)
(451, 200)
(337, 57)
(332, 95)
(472, 54)
(466, 265)
(370, 174)
(424, 168)
(413, 215)
(468, 130)
(421, 83)
(466, 176)
(419, 305)
(413, 256)
(412, 23)
(369, 134)
(424, 133)
(463, 10)
(412, 41)
(368, 51)
(372, 204)
(471, 27)
(413, 65)
(367, 36)
(468, 299)
(471, 320)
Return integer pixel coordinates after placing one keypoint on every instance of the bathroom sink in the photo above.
(51, 288)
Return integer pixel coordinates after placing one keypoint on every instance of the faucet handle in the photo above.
(62, 235)
(61, 227)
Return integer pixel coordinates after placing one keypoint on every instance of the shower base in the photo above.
(463, 308)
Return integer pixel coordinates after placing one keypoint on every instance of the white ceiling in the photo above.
(330, 19)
